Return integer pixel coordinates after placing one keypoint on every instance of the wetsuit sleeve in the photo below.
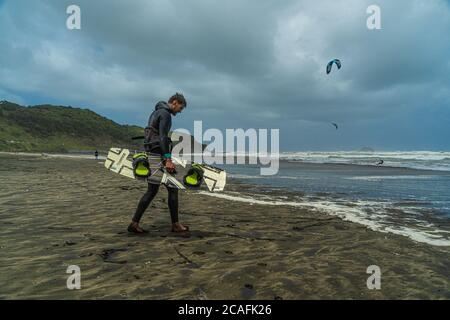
(165, 122)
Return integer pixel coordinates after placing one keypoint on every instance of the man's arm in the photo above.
(164, 127)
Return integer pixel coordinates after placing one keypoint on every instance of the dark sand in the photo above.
(57, 212)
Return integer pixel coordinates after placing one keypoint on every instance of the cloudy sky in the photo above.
(242, 64)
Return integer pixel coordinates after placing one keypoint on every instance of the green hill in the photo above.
(47, 128)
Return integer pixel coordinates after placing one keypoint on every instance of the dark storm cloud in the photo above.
(240, 63)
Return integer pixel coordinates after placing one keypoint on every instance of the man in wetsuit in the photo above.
(157, 141)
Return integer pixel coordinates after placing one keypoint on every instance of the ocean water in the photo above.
(427, 160)
(408, 195)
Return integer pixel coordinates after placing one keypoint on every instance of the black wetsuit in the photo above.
(157, 141)
(157, 132)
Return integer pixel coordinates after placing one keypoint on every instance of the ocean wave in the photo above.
(423, 160)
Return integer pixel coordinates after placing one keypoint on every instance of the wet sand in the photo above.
(56, 212)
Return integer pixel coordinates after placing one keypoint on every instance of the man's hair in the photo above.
(179, 97)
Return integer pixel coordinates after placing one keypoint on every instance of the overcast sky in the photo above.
(242, 64)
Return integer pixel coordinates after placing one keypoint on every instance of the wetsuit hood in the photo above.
(163, 105)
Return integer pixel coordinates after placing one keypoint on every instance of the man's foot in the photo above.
(134, 228)
(178, 227)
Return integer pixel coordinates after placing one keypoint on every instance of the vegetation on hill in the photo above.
(47, 128)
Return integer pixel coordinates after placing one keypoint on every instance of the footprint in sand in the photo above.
(247, 291)
(261, 264)
(107, 253)
(84, 255)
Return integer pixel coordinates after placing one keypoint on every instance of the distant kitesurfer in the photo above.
(96, 155)
(335, 125)
(157, 141)
(380, 163)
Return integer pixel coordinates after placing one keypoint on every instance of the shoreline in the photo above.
(384, 171)
(327, 206)
(56, 214)
(348, 166)
(53, 155)
(324, 210)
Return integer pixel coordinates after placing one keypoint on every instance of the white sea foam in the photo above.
(359, 212)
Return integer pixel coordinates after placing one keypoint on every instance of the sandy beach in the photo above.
(56, 212)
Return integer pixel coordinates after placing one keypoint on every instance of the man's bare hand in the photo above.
(170, 167)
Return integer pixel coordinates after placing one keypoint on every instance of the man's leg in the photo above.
(145, 201)
(173, 207)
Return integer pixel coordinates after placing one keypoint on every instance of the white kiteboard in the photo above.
(120, 161)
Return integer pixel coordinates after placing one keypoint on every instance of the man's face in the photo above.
(177, 107)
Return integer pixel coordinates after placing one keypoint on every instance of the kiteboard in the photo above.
(149, 167)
